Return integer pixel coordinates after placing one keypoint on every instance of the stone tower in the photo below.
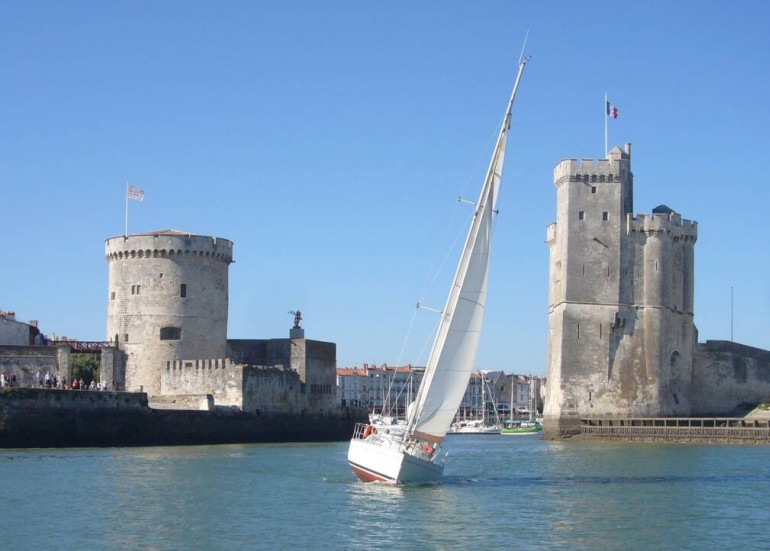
(168, 298)
(621, 332)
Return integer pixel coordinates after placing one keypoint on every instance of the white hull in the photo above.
(379, 458)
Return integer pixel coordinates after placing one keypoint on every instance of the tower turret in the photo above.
(168, 299)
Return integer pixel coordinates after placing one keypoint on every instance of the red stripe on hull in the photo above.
(367, 476)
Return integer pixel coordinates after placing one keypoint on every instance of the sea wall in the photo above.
(729, 377)
(41, 418)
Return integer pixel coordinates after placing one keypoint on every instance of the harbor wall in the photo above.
(729, 378)
(41, 418)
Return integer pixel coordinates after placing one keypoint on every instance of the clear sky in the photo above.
(330, 140)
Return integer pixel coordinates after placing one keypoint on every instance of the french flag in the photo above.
(612, 110)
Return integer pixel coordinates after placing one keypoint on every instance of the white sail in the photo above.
(454, 348)
(415, 456)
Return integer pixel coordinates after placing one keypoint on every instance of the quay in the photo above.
(54, 418)
(700, 430)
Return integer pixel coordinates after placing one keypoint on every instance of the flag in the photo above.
(612, 110)
(135, 193)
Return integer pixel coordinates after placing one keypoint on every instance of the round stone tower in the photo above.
(168, 293)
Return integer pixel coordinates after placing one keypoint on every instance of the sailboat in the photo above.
(531, 426)
(480, 425)
(415, 456)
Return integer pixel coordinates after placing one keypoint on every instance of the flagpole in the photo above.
(126, 234)
(606, 116)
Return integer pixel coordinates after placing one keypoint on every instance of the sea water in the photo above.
(498, 492)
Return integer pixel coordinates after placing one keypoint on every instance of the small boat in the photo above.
(415, 456)
(484, 425)
(477, 426)
(531, 426)
(521, 427)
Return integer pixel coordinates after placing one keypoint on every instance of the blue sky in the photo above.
(330, 141)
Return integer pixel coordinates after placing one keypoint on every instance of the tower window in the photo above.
(605, 216)
(112, 295)
(170, 333)
(183, 290)
(581, 215)
(593, 188)
(135, 289)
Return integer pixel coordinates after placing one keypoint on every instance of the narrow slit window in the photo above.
(170, 333)
(581, 215)
(605, 216)
(183, 290)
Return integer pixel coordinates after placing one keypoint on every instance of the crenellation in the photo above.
(665, 224)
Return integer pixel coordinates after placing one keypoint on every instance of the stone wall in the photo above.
(315, 363)
(219, 377)
(13, 332)
(249, 388)
(728, 377)
(26, 361)
(36, 418)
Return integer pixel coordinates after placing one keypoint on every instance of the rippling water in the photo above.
(498, 492)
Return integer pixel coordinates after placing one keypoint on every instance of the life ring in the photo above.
(428, 449)
(368, 431)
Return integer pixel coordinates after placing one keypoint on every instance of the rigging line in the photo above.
(406, 338)
(429, 341)
(434, 272)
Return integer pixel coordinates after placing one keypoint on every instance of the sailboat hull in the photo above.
(379, 459)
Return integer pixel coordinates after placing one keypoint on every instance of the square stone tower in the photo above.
(621, 332)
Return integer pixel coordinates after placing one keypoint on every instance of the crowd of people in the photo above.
(47, 380)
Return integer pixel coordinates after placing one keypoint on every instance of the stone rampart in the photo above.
(729, 377)
(80, 400)
(37, 418)
(671, 224)
(26, 361)
(250, 388)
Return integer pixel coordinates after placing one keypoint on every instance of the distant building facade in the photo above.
(622, 339)
(390, 389)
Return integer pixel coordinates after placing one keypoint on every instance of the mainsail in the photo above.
(456, 343)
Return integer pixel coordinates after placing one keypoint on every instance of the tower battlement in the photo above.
(612, 169)
(168, 243)
(666, 223)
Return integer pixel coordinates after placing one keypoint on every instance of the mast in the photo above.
(485, 206)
